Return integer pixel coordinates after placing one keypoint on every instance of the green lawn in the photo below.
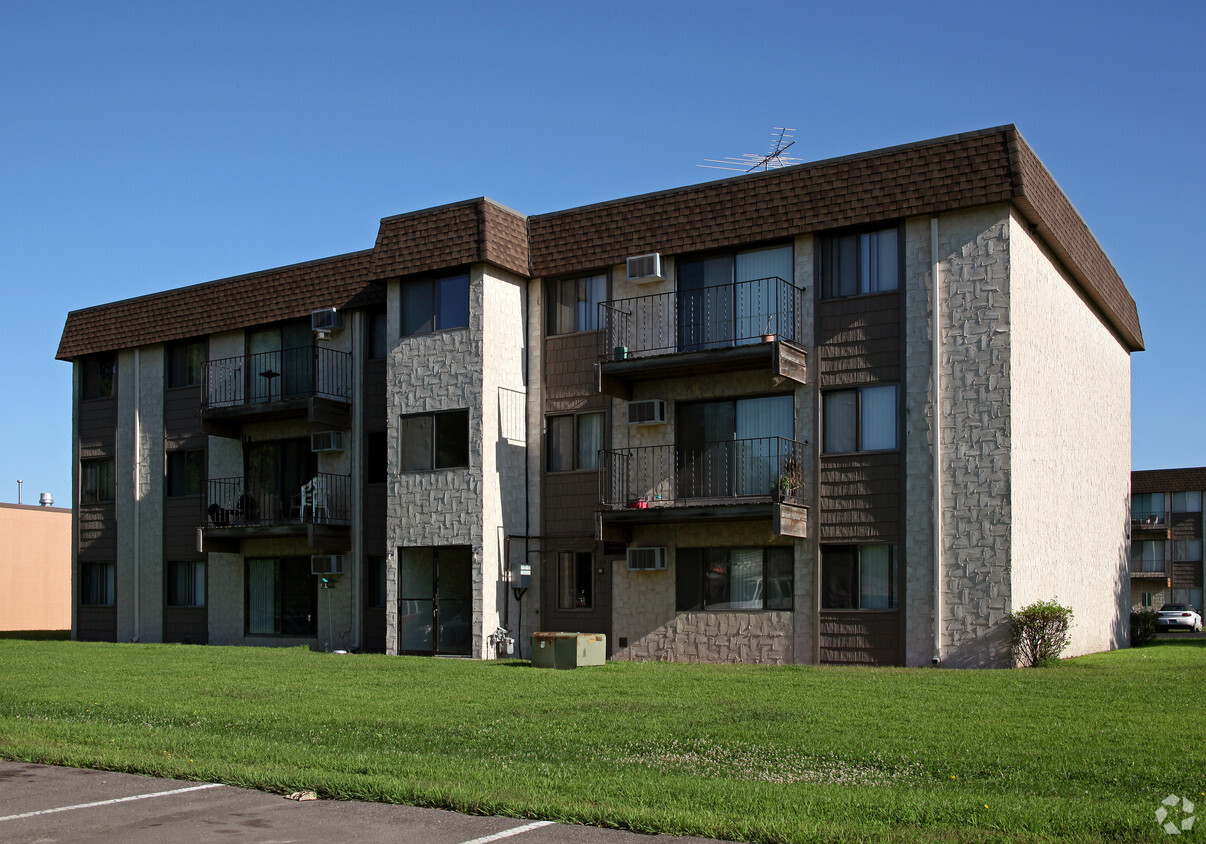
(1082, 751)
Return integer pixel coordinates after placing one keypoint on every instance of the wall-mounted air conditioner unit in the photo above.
(326, 441)
(327, 564)
(646, 559)
(326, 320)
(647, 412)
(643, 269)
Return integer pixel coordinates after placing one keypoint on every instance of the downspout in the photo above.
(936, 427)
(137, 490)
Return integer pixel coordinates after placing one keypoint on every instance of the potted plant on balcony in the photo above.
(768, 336)
(789, 479)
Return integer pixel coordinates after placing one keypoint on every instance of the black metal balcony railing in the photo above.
(669, 476)
(707, 318)
(1154, 520)
(278, 376)
(325, 499)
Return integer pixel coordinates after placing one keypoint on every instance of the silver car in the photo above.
(1174, 616)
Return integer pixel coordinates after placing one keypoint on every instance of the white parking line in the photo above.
(506, 833)
(111, 802)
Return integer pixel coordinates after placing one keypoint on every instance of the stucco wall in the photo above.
(35, 567)
(1070, 381)
(504, 452)
(973, 250)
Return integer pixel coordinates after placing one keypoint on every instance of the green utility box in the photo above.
(568, 650)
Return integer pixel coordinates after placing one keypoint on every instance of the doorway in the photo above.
(435, 600)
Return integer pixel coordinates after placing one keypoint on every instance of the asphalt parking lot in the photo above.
(40, 803)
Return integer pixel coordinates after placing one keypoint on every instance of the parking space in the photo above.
(40, 803)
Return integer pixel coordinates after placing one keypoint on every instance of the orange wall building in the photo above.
(35, 567)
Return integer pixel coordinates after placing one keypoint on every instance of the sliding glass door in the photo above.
(731, 447)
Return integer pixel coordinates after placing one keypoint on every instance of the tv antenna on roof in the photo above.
(781, 141)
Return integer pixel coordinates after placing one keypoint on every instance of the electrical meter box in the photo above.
(568, 650)
(521, 575)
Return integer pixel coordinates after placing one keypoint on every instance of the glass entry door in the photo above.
(435, 603)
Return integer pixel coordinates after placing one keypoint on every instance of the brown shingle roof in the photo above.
(1168, 480)
(263, 297)
(960, 171)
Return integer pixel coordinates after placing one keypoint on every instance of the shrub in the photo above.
(1143, 627)
(1039, 633)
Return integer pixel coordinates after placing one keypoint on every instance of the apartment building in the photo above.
(1166, 537)
(35, 567)
(848, 411)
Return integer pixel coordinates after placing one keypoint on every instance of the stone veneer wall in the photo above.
(1070, 381)
(973, 247)
(643, 604)
(918, 539)
(432, 372)
(146, 501)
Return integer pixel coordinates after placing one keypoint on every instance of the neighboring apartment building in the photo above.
(35, 568)
(704, 418)
(1166, 537)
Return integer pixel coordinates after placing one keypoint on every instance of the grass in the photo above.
(1082, 751)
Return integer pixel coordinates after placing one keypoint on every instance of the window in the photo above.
(860, 420)
(573, 303)
(433, 304)
(185, 473)
(185, 363)
(282, 597)
(1148, 507)
(429, 441)
(574, 441)
(733, 579)
(575, 588)
(1193, 597)
(1147, 555)
(860, 263)
(186, 584)
(96, 481)
(1187, 550)
(1187, 502)
(1146, 600)
(99, 376)
(375, 458)
(378, 333)
(374, 582)
(858, 577)
(97, 583)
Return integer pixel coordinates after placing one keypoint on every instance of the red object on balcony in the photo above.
(638, 504)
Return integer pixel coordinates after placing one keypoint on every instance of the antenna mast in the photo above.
(781, 141)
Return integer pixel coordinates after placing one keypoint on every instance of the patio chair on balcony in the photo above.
(315, 497)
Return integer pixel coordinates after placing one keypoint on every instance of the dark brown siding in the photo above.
(181, 518)
(182, 418)
(98, 427)
(98, 532)
(375, 500)
(569, 372)
(375, 413)
(189, 625)
(860, 340)
(866, 638)
(97, 624)
(1186, 525)
(570, 501)
(860, 496)
(1187, 575)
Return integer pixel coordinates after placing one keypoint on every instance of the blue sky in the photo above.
(147, 146)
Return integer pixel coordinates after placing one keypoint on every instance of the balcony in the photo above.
(730, 327)
(311, 383)
(760, 478)
(320, 510)
(1150, 525)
